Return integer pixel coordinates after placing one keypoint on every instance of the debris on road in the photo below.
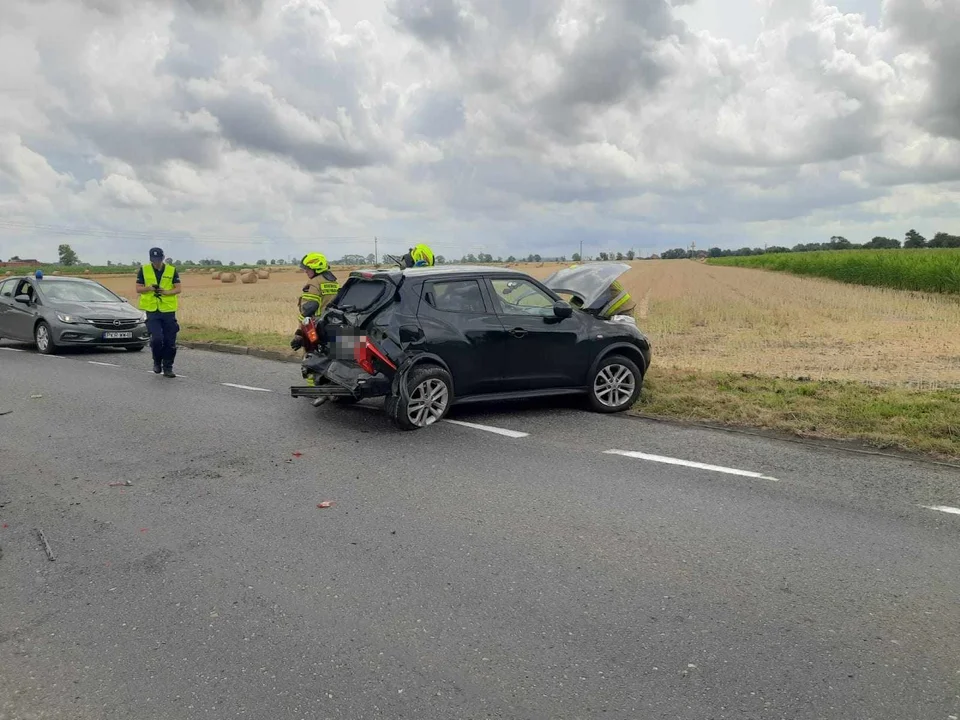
(325, 504)
(46, 546)
(36, 397)
(125, 483)
(298, 454)
(5, 412)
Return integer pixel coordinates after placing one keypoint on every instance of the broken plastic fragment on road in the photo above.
(325, 504)
(125, 483)
(298, 454)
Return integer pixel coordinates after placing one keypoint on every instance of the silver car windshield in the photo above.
(73, 292)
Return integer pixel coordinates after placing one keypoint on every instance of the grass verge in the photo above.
(926, 421)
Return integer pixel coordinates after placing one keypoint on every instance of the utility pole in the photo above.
(581, 249)
(376, 251)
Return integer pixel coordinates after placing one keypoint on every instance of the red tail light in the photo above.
(365, 353)
(310, 330)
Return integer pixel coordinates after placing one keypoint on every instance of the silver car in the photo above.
(57, 312)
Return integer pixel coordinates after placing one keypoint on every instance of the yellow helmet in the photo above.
(316, 262)
(422, 255)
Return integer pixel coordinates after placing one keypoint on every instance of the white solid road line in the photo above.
(11, 349)
(489, 428)
(94, 362)
(689, 463)
(943, 508)
(246, 387)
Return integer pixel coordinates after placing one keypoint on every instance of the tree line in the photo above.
(912, 241)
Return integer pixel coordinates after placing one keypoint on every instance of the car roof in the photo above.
(52, 278)
(440, 270)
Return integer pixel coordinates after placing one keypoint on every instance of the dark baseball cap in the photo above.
(156, 254)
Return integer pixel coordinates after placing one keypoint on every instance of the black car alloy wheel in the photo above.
(615, 385)
(428, 397)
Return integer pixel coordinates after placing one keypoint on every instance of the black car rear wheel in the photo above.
(43, 337)
(430, 391)
(615, 385)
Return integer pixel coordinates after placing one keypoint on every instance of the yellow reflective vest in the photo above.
(149, 302)
(321, 289)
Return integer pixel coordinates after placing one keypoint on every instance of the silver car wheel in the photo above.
(428, 402)
(43, 338)
(614, 385)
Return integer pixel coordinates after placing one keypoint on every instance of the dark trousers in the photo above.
(163, 328)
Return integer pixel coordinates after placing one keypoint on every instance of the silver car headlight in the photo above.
(72, 319)
(143, 316)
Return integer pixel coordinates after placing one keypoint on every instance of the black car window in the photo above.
(461, 296)
(521, 297)
(24, 288)
(358, 295)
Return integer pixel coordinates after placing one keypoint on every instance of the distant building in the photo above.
(20, 263)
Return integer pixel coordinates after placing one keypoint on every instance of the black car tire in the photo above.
(43, 338)
(135, 348)
(425, 382)
(615, 386)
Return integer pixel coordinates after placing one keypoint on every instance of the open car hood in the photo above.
(586, 282)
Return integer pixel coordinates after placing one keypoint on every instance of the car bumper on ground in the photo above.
(82, 334)
(339, 379)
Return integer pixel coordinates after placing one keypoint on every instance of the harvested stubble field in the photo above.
(732, 345)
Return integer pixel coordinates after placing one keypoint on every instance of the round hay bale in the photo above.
(228, 277)
(86, 272)
(55, 272)
(263, 274)
(216, 275)
(248, 278)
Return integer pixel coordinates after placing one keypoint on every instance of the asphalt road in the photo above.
(461, 572)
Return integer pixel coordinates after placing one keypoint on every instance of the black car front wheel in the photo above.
(615, 386)
(429, 393)
(43, 337)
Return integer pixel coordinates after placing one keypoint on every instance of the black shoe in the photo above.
(169, 373)
(157, 369)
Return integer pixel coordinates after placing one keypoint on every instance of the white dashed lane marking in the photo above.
(942, 508)
(689, 463)
(490, 428)
(246, 387)
(94, 362)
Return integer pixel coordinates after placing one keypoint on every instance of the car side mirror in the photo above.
(24, 299)
(562, 309)
(310, 309)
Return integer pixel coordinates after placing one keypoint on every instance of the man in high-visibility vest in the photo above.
(619, 301)
(322, 288)
(419, 256)
(158, 285)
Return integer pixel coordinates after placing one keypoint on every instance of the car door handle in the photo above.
(518, 332)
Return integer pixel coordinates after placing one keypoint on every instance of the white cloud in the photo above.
(259, 127)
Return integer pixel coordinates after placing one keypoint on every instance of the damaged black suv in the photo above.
(428, 338)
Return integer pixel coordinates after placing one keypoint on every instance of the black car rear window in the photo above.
(360, 294)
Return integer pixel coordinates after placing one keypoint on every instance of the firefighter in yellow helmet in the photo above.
(419, 256)
(619, 301)
(321, 287)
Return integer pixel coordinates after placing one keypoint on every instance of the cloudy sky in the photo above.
(242, 129)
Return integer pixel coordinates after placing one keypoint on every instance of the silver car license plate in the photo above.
(117, 335)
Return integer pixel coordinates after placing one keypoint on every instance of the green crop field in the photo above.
(926, 270)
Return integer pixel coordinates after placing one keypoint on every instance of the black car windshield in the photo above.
(76, 292)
